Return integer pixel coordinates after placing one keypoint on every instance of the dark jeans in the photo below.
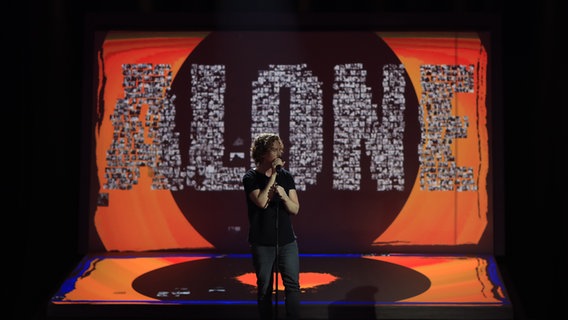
(264, 258)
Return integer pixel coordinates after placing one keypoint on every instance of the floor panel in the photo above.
(215, 286)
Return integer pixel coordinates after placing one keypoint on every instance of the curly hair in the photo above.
(262, 144)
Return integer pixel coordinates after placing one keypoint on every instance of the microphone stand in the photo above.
(277, 200)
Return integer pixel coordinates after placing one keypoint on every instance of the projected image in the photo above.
(387, 138)
(179, 279)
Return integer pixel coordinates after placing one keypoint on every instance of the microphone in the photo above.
(279, 168)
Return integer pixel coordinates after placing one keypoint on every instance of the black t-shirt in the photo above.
(262, 221)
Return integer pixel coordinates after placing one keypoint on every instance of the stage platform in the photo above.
(176, 285)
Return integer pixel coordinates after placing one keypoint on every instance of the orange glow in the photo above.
(446, 218)
(111, 279)
(146, 219)
(308, 280)
(454, 279)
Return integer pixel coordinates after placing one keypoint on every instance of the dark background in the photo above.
(43, 72)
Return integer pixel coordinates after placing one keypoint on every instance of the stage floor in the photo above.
(222, 286)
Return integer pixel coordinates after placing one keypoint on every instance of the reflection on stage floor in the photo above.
(334, 286)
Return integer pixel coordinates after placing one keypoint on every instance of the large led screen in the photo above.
(386, 133)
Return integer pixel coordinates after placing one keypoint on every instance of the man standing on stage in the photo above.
(272, 201)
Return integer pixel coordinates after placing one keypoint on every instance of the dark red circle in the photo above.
(329, 220)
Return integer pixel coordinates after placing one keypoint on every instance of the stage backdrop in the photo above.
(387, 135)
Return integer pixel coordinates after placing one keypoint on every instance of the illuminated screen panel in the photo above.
(386, 134)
